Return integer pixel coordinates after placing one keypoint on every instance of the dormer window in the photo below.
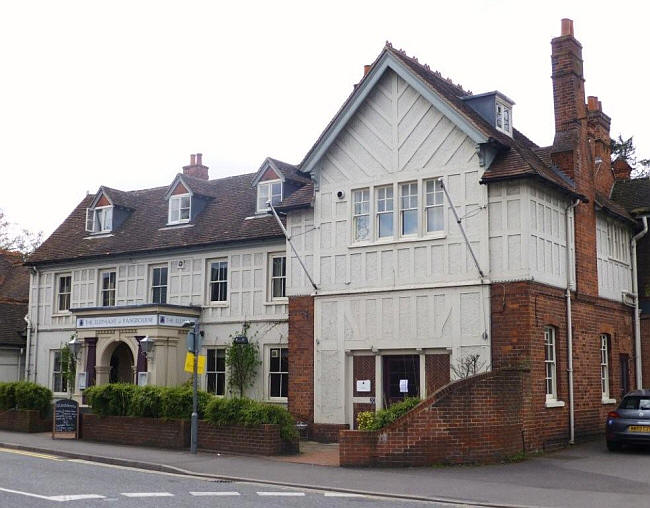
(270, 190)
(99, 219)
(503, 118)
(179, 208)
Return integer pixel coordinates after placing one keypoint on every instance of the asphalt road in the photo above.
(34, 480)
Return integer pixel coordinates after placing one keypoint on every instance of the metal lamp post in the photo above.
(193, 346)
(74, 346)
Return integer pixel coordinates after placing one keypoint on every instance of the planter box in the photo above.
(260, 440)
(24, 420)
(130, 430)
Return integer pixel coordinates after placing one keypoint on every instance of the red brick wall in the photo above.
(260, 440)
(129, 430)
(645, 351)
(327, 432)
(520, 311)
(437, 371)
(301, 358)
(24, 420)
(477, 419)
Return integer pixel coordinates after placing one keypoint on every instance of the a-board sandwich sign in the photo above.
(65, 424)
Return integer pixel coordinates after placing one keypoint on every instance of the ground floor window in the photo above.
(604, 365)
(216, 371)
(401, 377)
(278, 372)
(549, 363)
(59, 370)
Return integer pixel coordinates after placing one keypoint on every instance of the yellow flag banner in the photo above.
(189, 364)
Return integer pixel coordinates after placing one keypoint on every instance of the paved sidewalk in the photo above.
(585, 475)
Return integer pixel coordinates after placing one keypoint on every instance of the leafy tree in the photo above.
(625, 149)
(25, 241)
(243, 361)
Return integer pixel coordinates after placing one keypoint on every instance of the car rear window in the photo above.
(635, 403)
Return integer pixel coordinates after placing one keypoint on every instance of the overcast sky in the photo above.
(119, 93)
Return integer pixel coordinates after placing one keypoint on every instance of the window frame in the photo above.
(153, 287)
(103, 290)
(179, 198)
(604, 366)
(361, 213)
(506, 115)
(272, 278)
(415, 209)
(270, 373)
(58, 294)
(426, 207)
(550, 332)
(58, 373)
(216, 372)
(105, 211)
(226, 301)
(378, 213)
(269, 194)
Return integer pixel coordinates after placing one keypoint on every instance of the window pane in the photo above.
(279, 266)
(385, 224)
(409, 222)
(435, 220)
(212, 382)
(274, 364)
(284, 360)
(221, 383)
(284, 385)
(211, 360)
(362, 231)
(221, 360)
(276, 384)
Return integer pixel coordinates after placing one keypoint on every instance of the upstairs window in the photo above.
(409, 208)
(64, 292)
(278, 277)
(99, 219)
(159, 284)
(504, 118)
(219, 281)
(434, 205)
(179, 208)
(268, 191)
(384, 211)
(361, 214)
(107, 288)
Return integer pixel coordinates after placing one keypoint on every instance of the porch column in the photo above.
(379, 382)
(91, 359)
(141, 362)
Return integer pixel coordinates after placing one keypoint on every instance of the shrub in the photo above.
(25, 395)
(113, 399)
(147, 401)
(375, 421)
(242, 411)
(7, 396)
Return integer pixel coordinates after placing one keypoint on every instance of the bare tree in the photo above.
(24, 241)
(467, 366)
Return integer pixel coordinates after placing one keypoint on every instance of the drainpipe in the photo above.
(635, 290)
(28, 346)
(569, 325)
(35, 323)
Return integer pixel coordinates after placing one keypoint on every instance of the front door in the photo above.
(401, 377)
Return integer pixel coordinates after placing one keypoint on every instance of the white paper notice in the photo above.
(403, 385)
(363, 385)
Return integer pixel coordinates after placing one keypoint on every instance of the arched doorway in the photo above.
(121, 364)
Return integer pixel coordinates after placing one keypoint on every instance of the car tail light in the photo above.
(613, 415)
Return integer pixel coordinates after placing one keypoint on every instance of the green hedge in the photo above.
(369, 420)
(119, 399)
(242, 411)
(25, 395)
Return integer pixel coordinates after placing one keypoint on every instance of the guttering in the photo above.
(569, 324)
(635, 290)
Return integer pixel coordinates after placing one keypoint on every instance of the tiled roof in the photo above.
(633, 194)
(12, 324)
(301, 198)
(14, 277)
(291, 171)
(222, 220)
(520, 158)
(612, 207)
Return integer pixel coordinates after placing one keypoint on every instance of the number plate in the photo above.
(639, 428)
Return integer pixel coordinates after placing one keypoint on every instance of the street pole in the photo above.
(194, 427)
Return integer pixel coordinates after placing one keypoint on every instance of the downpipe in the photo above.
(635, 290)
(569, 324)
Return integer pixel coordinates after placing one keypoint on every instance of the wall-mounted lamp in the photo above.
(147, 345)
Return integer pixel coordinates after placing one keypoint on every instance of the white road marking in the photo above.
(342, 494)
(147, 494)
(293, 494)
(215, 493)
(75, 497)
(60, 499)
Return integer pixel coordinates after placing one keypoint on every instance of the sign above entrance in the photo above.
(134, 320)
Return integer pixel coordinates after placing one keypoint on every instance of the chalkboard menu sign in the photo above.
(66, 419)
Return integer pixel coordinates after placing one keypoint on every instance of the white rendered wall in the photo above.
(614, 270)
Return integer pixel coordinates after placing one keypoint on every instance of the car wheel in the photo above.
(613, 446)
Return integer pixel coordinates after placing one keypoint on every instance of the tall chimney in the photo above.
(196, 168)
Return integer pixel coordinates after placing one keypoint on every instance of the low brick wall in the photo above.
(129, 430)
(326, 432)
(260, 440)
(478, 419)
(24, 420)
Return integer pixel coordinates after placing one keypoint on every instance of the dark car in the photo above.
(630, 423)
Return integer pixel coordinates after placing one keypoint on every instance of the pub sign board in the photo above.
(65, 424)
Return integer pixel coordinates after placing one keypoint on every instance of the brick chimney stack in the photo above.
(196, 167)
(598, 131)
(622, 170)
